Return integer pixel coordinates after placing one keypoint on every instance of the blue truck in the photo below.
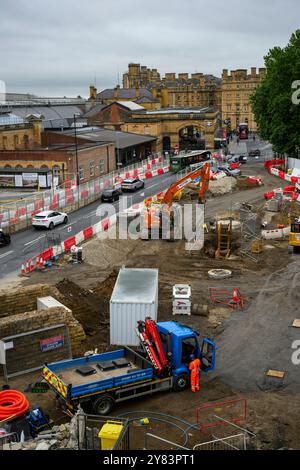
(101, 381)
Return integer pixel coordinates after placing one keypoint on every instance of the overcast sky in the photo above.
(58, 47)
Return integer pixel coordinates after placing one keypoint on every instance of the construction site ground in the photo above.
(249, 342)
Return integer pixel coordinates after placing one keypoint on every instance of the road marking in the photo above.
(33, 241)
(6, 254)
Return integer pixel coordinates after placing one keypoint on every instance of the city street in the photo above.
(31, 242)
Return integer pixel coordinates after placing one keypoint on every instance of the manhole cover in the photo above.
(219, 273)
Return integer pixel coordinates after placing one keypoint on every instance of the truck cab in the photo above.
(180, 342)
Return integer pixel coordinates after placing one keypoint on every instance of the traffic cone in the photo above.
(23, 270)
(32, 266)
(27, 268)
(235, 296)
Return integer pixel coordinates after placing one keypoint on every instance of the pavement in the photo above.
(28, 243)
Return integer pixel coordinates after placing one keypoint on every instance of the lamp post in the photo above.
(76, 157)
(76, 150)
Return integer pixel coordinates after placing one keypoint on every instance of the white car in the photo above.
(49, 219)
(132, 184)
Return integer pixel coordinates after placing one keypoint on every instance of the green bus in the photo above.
(182, 160)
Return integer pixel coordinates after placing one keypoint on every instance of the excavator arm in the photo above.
(202, 173)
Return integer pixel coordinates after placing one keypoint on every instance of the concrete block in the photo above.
(45, 303)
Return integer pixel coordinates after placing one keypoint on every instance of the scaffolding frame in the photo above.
(251, 240)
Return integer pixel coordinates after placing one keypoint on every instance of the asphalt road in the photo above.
(29, 243)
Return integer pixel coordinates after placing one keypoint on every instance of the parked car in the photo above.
(255, 153)
(132, 185)
(229, 171)
(237, 159)
(49, 219)
(4, 238)
(111, 195)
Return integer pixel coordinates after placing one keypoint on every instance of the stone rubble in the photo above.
(64, 436)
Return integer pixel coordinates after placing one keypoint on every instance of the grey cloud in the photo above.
(58, 47)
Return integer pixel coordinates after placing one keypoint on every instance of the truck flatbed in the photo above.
(71, 376)
(65, 378)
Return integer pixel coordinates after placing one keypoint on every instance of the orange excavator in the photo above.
(156, 211)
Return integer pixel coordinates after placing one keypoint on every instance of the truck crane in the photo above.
(156, 212)
(152, 345)
(101, 381)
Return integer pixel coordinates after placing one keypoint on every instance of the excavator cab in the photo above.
(294, 241)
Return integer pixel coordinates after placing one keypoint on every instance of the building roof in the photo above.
(94, 110)
(54, 117)
(131, 105)
(121, 140)
(10, 119)
(125, 93)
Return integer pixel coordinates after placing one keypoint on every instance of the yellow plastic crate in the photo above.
(109, 434)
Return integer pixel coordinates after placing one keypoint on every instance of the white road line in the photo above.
(6, 254)
(33, 241)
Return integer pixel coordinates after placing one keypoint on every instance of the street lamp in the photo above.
(76, 150)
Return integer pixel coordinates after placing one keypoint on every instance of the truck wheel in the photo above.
(103, 406)
(180, 383)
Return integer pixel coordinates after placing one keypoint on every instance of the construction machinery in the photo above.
(294, 241)
(160, 213)
(161, 364)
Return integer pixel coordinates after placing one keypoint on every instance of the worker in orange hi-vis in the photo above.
(195, 373)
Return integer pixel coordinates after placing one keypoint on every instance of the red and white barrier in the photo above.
(278, 234)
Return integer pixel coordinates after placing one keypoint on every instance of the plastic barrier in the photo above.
(69, 243)
(273, 234)
(88, 233)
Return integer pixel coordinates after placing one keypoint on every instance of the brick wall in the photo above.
(28, 348)
(23, 300)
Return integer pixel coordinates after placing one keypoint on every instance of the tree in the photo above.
(276, 113)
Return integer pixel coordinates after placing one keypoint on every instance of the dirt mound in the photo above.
(222, 186)
(89, 308)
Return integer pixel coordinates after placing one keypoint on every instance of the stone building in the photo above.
(140, 76)
(237, 87)
(20, 134)
(230, 95)
(138, 95)
(197, 90)
(186, 127)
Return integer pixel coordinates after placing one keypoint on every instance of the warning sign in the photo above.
(52, 343)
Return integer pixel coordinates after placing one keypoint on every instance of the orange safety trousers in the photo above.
(195, 375)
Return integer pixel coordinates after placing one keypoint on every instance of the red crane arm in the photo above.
(152, 332)
(147, 346)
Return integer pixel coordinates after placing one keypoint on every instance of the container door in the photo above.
(208, 355)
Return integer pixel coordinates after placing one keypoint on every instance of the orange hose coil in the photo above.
(12, 403)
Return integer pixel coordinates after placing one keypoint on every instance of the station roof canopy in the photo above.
(54, 117)
(121, 140)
